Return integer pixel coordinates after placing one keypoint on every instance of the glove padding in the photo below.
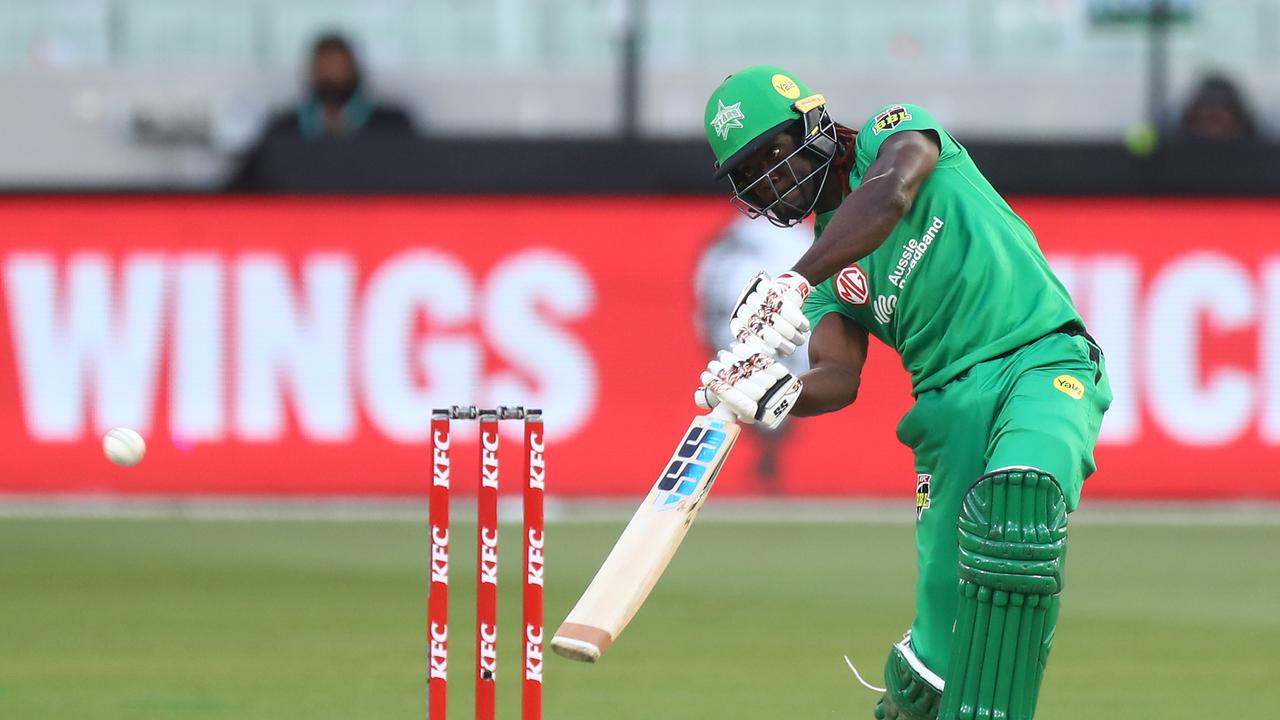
(756, 387)
(770, 310)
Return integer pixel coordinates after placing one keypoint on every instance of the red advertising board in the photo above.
(297, 346)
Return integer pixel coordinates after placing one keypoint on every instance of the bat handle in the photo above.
(722, 412)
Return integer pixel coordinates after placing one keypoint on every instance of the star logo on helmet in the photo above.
(727, 118)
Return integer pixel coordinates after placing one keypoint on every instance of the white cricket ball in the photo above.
(123, 446)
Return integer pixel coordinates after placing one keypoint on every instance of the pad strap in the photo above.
(1013, 541)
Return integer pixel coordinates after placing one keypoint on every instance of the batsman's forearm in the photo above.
(862, 222)
(826, 389)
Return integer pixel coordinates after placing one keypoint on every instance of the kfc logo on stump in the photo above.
(851, 285)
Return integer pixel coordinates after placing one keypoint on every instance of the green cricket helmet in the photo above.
(744, 114)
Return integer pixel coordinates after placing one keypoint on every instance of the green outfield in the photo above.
(301, 619)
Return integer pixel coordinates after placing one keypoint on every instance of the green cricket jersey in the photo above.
(959, 280)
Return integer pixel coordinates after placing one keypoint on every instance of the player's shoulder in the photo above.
(895, 115)
(898, 118)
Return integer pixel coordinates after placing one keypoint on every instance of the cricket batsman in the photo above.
(914, 246)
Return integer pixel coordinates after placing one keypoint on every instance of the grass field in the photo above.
(291, 619)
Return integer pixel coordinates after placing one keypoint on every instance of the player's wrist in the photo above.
(779, 401)
(796, 282)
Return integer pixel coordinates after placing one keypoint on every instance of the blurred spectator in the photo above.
(331, 119)
(1217, 111)
(337, 103)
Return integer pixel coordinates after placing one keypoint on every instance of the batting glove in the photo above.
(770, 310)
(751, 383)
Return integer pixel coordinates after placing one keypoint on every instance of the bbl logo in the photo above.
(922, 493)
(890, 119)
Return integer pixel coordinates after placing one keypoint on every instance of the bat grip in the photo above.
(722, 412)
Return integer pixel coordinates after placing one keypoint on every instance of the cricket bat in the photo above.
(649, 540)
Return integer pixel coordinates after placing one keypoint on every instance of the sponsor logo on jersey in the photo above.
(890, 119)
(1070, 386)
(922, 493)
(884, 307)
(851, 285)
(727, 118)
(912, 252)
(786, 87)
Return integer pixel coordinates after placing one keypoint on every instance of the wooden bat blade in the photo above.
(649, 541)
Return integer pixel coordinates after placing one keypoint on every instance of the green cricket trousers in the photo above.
(1039, 406)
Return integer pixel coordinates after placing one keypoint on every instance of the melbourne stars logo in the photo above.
(727, 117)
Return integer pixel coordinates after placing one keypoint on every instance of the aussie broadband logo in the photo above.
(695, 457)
(912, 252)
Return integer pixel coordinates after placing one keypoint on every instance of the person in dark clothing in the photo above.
(337, 103)
(333, 118)
(1217, 111)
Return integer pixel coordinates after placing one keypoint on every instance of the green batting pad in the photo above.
(1013, 540)
(908, 694)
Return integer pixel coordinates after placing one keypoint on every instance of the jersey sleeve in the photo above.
(822, 301)
(895, 119)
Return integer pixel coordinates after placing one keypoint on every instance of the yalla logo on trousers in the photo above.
(851, 285)
(1070, 386)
